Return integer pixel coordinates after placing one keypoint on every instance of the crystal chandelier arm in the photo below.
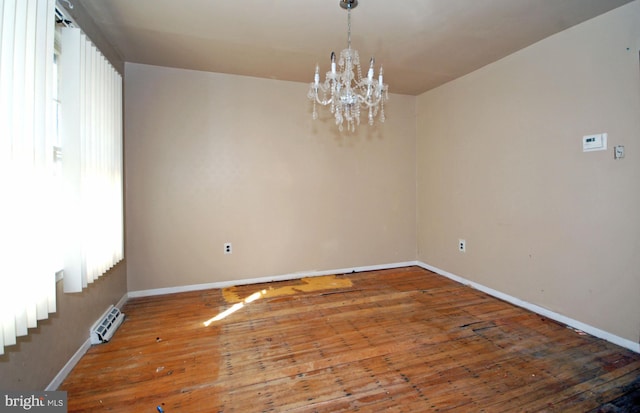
(318, 89)
(324, 102)
(369, 102)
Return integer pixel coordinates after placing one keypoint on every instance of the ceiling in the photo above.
(420, 43)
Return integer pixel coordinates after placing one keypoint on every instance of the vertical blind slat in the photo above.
(27, 290)
(96, 141)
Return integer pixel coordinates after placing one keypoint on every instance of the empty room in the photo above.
(320, 206)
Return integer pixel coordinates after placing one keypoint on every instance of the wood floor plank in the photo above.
(398, 340)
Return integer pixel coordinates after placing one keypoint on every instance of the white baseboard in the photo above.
(246, 281)
(66, 369)
(122, 301)
(578, 325)
(64, 372)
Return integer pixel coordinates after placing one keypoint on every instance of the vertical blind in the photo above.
(90, 228)
(91, 99)
(27, 265)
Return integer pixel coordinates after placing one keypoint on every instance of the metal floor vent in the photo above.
(106, 326)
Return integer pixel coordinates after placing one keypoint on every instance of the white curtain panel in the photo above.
(91, 100)
(44, 223)
(27, 230)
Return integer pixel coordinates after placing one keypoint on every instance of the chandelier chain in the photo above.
(349, 28)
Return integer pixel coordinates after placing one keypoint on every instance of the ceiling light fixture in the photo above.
(344, 90)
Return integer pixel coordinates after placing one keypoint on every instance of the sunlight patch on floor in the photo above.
(308, 284)
(305, 285)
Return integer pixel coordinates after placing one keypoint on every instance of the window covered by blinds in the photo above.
(42, 225)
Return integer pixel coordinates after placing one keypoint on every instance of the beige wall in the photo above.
(36, 359)
(500, 164)
(214, 158)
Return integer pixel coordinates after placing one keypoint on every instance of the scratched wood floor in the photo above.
(402, 340)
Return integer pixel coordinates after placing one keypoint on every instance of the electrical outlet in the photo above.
(227, 248)
(462, 245)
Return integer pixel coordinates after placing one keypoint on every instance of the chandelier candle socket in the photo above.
(344, 90)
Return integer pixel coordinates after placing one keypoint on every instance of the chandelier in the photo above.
(344, 90)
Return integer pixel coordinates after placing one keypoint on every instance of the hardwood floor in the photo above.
(402, 340)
